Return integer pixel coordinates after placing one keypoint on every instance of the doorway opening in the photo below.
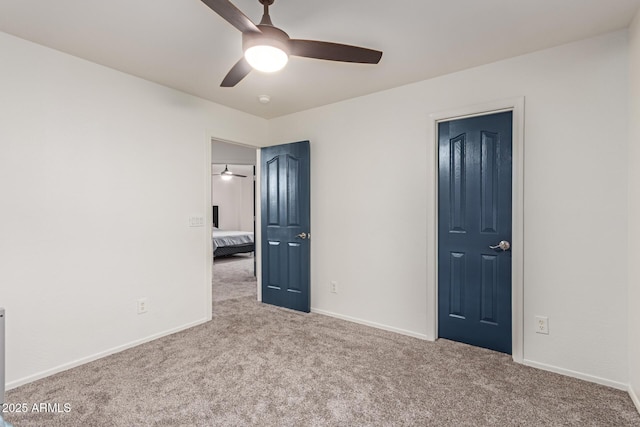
(233, 213)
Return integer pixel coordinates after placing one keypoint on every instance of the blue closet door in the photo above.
(285, 199)
(474, 216)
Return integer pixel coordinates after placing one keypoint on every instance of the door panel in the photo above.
(489, 183)
(285, 225)
(489, 292)
(457, 184)
(474, 210)
(457, 285)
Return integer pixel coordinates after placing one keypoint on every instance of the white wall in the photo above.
(233, 154)
(248, 200)
(634, 211)
(99, 172)
(370, 229)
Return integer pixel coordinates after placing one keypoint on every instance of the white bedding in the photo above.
(230, 238)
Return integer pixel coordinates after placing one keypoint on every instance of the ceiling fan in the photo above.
(267, 48)
(227, 174)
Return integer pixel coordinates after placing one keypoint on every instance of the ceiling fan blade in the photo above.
(238, 175)
(334, 51)
(232, 15)
(237, 73)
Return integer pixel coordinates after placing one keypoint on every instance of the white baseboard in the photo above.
(634, 398)
(567, 372)
(575, 374)
(372, 324)
(82, 361)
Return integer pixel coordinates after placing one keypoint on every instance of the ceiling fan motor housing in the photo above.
(270, 36)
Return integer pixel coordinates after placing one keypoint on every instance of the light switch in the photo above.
(196, 221)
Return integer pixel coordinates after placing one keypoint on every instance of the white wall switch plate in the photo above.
(196, 221)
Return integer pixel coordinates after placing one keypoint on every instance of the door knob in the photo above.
(504, 245)
(302, 235)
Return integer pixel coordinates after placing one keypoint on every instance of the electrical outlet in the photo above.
(142, 306)
(542, 325)
(333, 287)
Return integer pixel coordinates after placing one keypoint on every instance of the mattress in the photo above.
(222, 238)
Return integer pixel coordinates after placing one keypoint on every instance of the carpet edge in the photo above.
(87, 359)
(371, 324)
(634, 397)
(575, 374)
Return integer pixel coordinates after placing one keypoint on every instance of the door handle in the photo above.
(504, 245)
(302, 235)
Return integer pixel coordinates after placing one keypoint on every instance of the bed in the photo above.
(230, 242)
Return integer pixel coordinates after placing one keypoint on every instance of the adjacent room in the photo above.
(438, 204)
(233, 218)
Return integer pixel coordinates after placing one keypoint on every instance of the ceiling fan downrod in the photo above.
(266, 19)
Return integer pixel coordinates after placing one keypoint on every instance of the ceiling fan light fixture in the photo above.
(268, 50)
(226, 174)
(266, 58)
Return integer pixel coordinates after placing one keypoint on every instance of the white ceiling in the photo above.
(184, 45)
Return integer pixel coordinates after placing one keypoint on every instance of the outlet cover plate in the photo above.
(142, 306)
(542, 325)
(333, 287)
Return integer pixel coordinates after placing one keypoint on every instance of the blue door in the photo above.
(474, 231)
(285, 225)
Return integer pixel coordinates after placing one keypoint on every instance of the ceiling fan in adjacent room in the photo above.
(267, 48)
(226, 174)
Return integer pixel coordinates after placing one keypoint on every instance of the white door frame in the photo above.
(516, 105)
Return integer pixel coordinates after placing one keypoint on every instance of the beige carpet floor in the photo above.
(233, 277)
(260, 365)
